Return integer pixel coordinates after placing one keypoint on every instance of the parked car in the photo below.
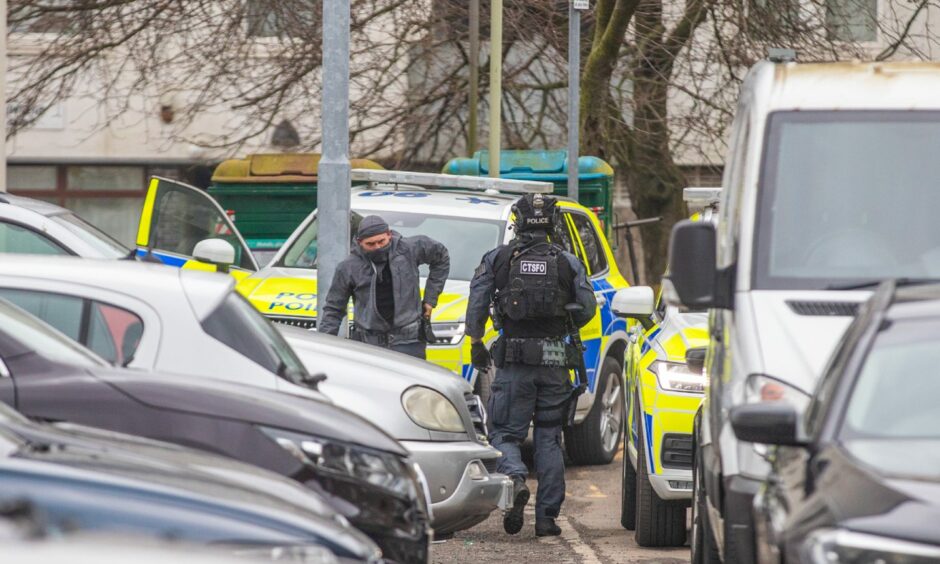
(79, 482)
(664, 387)
(470, 215)
(430, 410)
(364, 473)
(856, 475)
(36, 227)
(134, 319)
(106, 550)
(823, 197)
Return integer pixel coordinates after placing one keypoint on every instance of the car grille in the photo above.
(677, 451)
(836, 309)
(477, 413)
(490, 464)
(302, 322)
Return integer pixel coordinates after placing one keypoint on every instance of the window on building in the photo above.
(852, 20)
(48, 16)
(773, 19)
(289, 18)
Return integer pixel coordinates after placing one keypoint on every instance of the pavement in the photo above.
(590, 524)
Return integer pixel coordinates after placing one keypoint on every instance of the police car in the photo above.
(665, 385)
(470, 215)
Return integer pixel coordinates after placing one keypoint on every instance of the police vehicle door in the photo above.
(176, 217)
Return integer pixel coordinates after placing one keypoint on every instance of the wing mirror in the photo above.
(215, 251)
(694, 277)
(769, 423)
(635, 301)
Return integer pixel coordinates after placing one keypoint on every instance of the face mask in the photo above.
(378, 255)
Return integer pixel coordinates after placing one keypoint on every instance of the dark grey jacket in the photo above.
(356, 278)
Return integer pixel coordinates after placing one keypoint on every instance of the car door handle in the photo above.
(601, 299)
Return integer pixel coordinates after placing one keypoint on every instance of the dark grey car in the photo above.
(365, 473)
(79, 480)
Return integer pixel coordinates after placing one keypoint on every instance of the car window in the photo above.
(20, 240)
(62, 312)
(43, 339)
(562, 235)
(94, 237)
(302, 253)
(114, 333)
(238, 325)
(593, 248)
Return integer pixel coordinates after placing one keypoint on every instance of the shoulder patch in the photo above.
(481, 270)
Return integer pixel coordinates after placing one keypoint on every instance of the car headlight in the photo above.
(431, 410)
(448, 333)
(763, 388)
(831, 546)
(345, 461)
(677, 377)
(309, 554)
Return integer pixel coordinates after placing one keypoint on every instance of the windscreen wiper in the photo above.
(904, 281)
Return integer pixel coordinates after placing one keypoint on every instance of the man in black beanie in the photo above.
(381, 276)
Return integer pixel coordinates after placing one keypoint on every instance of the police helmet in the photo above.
(535, 212)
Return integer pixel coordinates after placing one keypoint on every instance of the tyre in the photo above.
(704, 549)
(659, 523)
(595, 440)
(627, 489)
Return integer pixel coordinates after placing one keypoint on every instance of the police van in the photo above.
(183, 226)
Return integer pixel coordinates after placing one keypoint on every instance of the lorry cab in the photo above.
(826, 192)
(469, 215)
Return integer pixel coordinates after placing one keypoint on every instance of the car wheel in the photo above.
(595, 440)
(658, 522)
(704, 550)
(627, 488)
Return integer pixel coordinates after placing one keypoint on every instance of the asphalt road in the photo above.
(590, 523)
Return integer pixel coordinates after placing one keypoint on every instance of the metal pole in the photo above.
(333, 186)
(496, 83)
(3, 90)
(473, 127)
(574, 97)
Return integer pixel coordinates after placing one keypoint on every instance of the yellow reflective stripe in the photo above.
(146, 214)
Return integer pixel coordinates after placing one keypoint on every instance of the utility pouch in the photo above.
(498, 352)
(572, 356)
(531, 352)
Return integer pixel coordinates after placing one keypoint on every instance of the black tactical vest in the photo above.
(533, 285)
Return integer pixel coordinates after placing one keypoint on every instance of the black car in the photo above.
(77, 480)
(362, 471)
(857, 478)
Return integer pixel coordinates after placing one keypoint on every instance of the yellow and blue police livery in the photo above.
(470, 216)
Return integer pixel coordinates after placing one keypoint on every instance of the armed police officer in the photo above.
(381, 276)
(539, 294)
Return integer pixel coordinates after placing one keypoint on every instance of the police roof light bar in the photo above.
(430, 180)
(699, 199)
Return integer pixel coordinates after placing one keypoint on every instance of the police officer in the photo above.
(381, 276)
(529, 283)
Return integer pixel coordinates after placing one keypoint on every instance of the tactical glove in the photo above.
(480, 356)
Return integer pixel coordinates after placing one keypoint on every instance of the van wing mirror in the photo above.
(769, 423)
(694, 276)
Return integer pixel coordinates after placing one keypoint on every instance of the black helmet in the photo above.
(534, 212)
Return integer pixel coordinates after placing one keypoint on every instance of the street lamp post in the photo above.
(473, 128)
(574, 92)
(333, 182)
(3, 91)
(496, 83)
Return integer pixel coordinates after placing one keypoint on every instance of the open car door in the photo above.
(177, 217)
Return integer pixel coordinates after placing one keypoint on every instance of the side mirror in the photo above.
(215, 251)
(635, 301)
(693, 269)
(769, 423)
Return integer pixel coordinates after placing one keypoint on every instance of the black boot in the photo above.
(546, 527)
(513, 520)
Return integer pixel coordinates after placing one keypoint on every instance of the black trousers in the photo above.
(417, 349)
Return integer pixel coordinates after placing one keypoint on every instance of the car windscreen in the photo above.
(238, 325)
(92, 236)
(847, 197)
(43, 339)
(896, 400)
(466, 239)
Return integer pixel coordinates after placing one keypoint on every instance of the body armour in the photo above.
(533, 285)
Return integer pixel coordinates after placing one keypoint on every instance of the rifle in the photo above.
(580, 369)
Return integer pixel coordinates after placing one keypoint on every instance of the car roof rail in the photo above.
(394, 178)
